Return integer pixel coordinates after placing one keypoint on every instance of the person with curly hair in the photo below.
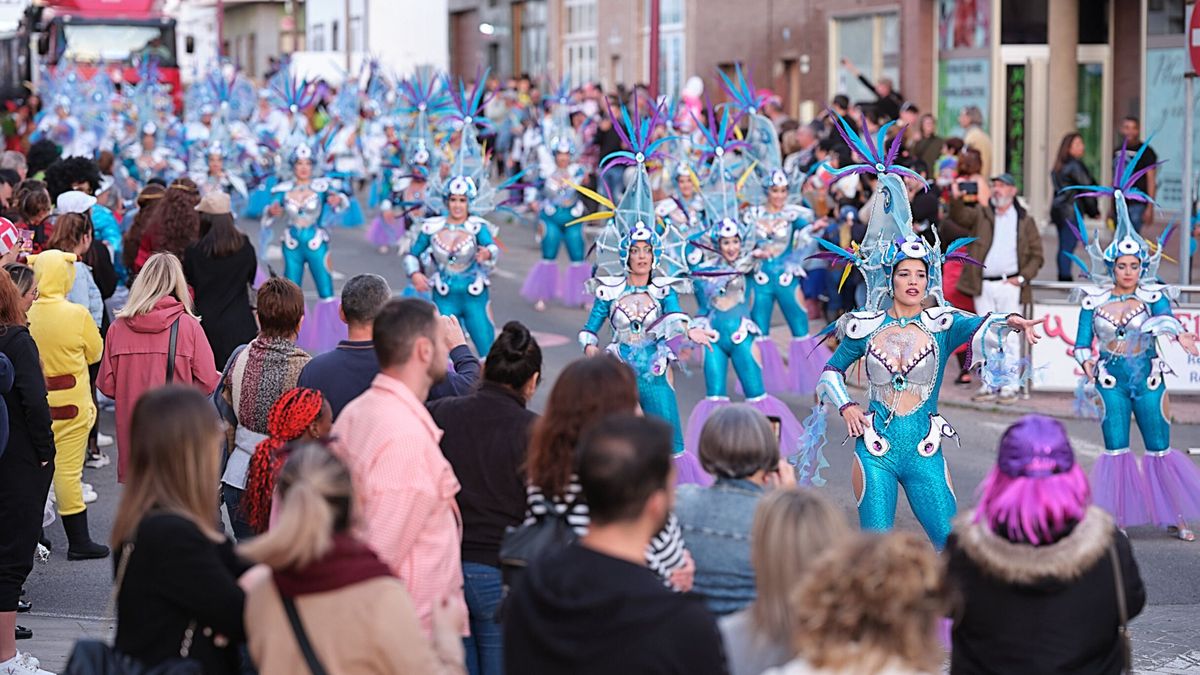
(147, 200)
(300, 413)
(83, 175)
(175, 224)
(41, 155)
(870, 606)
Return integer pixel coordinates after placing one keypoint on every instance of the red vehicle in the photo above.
(116, 35)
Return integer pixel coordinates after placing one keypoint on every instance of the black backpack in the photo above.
(524, 544)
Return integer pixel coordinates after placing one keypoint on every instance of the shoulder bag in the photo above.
(171, 351)
(306, 648)
(1123, 612)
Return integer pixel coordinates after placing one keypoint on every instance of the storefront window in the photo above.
(872, 43)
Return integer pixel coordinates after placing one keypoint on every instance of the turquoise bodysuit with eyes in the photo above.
(902, 444)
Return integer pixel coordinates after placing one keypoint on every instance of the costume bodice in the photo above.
(302, 205)
(632, 314)
(902, 366)
(454, 248)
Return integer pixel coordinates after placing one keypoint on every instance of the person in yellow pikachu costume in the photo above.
(68, 340)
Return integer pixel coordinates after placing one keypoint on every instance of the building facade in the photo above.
(257, 31)
(400, 35)
(507, 37)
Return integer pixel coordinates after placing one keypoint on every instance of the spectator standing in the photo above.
(1069, 170)
(488, 457)
(587, 391)
(792, 527)
(176, 223)
(1008, 244)
(1140, 213)
(928, 145)
(33, 203)
(739, 448)
(970, 118)
(22, 276)
(73, 234)
(26, 466)
(300, 414)
(147, 200)
(593, 607)
(1036, 548)
(406, 489)
(68, 341)
(871, 604)
(345, 372)
(358, 616)
(156, 323)
(172, 563)
(220, 269)
(253, 381)
(887, 100)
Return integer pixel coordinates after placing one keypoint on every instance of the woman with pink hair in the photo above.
(1036, 548)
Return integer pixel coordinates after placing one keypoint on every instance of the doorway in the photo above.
(1021, 137)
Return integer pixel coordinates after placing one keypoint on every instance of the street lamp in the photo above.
(487, 28)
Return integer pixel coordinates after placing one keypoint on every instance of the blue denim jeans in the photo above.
(233, 505)
(482, 586)
(1137, 210)
(1067, 241)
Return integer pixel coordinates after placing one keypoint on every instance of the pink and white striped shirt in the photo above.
(405, 491)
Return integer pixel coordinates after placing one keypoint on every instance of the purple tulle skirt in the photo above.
(806, 359)
(1118, 487)
(1174, 487)
(261, 275)
(382, 234)
(572, 290)
(688, 470)
(542, 282)
(695, 424)
(775, 374)
(323, 328)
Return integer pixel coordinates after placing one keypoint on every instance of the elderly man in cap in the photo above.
(1008, 244)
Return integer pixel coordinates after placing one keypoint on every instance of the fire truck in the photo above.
(118, 36)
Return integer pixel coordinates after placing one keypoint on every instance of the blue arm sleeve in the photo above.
(831, 386)
(1161, 307)
(963, 329)
(420, 244)
(1085, 335)
(590, 335)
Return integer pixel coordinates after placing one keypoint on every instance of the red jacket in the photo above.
(135, 361)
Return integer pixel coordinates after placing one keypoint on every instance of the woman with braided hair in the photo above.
(300, 413)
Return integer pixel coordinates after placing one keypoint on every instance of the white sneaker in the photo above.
(97, 461)
(23, 664)
(103, 440)
(89, 495)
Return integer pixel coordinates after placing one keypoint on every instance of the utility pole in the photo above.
(220, 28)
(655, 12)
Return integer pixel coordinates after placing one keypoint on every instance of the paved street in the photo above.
(71, 599)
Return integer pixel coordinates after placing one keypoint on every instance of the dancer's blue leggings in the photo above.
(1131, 394)
(472, 313)
(925, 479)
(294, 260)
(558, 233)
(765, 297)
(722, 352)
(655, 393)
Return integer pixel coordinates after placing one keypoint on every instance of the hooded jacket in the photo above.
(135, 361)
(580, 611)
(1041, 609)
(67, 338)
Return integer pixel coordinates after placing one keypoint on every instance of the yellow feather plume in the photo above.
(593, 195)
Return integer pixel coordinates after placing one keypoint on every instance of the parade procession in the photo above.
(486, 337)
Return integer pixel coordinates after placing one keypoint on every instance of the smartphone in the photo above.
(26, 240)
(776, 426)
(969, 187)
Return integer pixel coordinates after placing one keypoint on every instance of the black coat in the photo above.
(177, 575)
(488, 455)
(1062, 211)
(24, 482)
(1044, 609)
(222, 292)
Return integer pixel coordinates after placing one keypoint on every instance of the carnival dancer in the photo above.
(639, 272)
(217, 178)
(1126, 313)
(783, 230)
(462, 242)
(727, 313)
(306, 204)
(560, 212)
(906, 345)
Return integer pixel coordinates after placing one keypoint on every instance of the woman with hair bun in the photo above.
(1037, 548)
(358, 617)
(485, 437)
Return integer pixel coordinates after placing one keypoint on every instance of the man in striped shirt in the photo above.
(404, 486)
